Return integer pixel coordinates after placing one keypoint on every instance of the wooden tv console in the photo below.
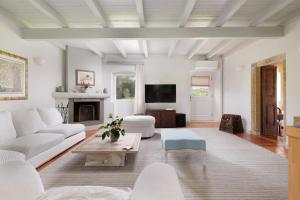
(163, 118)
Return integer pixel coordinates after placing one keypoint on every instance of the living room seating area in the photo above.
(38, 133)
(149, 99)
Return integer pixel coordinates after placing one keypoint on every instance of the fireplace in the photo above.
(86, 111)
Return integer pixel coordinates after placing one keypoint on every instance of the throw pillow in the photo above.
(51, 116)
(27, 122)
(7, 129)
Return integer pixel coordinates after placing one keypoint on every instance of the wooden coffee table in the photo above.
(104, 153)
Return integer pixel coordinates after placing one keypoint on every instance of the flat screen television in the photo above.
(160, 93)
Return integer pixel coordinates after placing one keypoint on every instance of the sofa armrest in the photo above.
(158, 181)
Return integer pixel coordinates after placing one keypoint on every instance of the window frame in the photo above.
(208, 85)
(208, 92)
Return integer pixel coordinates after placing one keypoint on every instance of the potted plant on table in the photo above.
(113, 129)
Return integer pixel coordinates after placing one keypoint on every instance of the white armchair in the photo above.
(20, 180)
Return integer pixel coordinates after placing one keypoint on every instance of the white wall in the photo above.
(159, 69)
(237, 84)
(83, 59)
(42, 80)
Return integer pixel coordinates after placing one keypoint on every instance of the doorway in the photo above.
(201, 98)
(268, 97)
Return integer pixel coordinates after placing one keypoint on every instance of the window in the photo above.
(200, 85)
(125, 87)
(199, 91)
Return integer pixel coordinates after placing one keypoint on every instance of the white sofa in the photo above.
(38, 133)
(19, 180)
(144, 124)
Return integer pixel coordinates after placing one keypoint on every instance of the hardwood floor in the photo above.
(204, 124)
(275, 146)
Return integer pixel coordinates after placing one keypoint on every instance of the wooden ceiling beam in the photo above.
(143, 33)
(228, 12)
(144, 47)
(196, 48)
(97, 11)
(120, 48)
(220, 47)
(172, 48)
(140, 12)
(269, 12)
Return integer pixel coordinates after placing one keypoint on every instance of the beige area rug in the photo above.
(236, 169)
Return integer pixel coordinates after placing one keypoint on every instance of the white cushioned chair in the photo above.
(144, 124)
(19, 180)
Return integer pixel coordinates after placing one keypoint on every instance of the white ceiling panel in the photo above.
(207, 10)
(120, 13)
(75, 12)
(26, 12)
(252, 8)
(163, 10)
(293, 7)
(158, 13)
(130, 46)
(184, 46)
(212, 43)
(157, 46)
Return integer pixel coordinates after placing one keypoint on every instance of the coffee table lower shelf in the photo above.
(106, 159)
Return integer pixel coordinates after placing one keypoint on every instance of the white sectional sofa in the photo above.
(38, 133)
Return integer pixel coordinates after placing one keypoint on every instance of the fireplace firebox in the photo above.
(86, 111)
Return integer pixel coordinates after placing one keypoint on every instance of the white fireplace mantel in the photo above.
(73, 95)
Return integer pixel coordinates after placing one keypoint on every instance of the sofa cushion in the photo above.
(50, 116)
(27, 122)
(9, 156)
(66, 129)
(33, 144)
(7, 129)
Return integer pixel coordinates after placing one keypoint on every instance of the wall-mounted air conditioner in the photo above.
(206, 65)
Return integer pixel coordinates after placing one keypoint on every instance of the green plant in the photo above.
(113, 129)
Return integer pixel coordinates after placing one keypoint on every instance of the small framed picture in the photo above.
(85, 77)
(13, 77)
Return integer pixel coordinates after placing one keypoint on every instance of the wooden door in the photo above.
(269, 101)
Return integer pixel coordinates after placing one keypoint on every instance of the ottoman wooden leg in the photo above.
(166, 156)
(204, 156)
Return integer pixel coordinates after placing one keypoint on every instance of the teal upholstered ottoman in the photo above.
(181, 139)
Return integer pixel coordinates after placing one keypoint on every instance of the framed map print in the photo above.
(13, 77)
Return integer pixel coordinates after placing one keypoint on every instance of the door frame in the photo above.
(209, 97)
(256, 91)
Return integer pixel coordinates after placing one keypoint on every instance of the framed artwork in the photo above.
(13, 77)
(86, 77)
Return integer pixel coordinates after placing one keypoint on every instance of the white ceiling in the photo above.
(154, 13)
